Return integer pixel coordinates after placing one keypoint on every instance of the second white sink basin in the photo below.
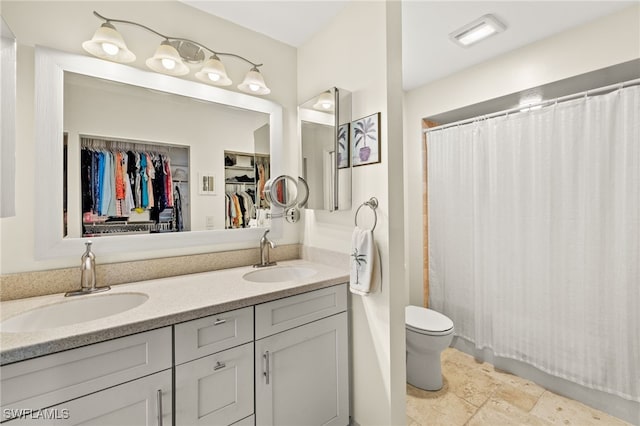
(279, 273)
(75, 310)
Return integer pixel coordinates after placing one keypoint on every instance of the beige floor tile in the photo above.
(447, 409)
(518, 382)
(477, 394)
(517, 396)
(497, 412)
(559, 410)
(411, 422)
(467, 381)
(451, 354)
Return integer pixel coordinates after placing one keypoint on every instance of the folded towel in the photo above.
(363, 261)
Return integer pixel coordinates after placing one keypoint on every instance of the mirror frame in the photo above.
(8, 119)
(50, 66)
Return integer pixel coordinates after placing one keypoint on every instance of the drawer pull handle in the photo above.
(159, 404)
(266, 372)
(219, 321)
(219, 365)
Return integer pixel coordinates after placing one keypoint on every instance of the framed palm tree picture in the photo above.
(343, 146)
(365, 139)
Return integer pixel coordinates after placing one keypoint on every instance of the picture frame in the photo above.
(344, 147)
(207, 183)
(365, 140)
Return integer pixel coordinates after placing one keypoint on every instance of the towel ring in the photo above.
(373, 205)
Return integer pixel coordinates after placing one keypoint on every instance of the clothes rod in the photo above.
(586, 93)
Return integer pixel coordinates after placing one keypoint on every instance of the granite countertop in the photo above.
(171, 300)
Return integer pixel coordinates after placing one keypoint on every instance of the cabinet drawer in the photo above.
(205, 336)
(49, 380)
(217, 389)
(283, 314)
(135, 403)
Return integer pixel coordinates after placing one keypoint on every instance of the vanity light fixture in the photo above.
(171, 55)
(107, 43)
(167, 60)
(480, 29)
(254, 83)
(325, 102)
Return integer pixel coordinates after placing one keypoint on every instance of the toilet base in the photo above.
(424, 371)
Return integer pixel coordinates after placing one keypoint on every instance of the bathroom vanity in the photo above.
(195, 352)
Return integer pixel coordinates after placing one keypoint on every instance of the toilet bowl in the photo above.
(428, 334)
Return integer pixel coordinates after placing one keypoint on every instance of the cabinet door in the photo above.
(217, 389)
(141, 402)
(302, 375)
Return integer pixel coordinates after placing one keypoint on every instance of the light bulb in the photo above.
(110, 48)
(214, 77)
(168, 63)
(476, 34)
(254, 87)
(326, 105)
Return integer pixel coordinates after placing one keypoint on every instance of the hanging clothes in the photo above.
(144, 181)
(177, 209)
(240, 208)
(115, 182)
(86, 160)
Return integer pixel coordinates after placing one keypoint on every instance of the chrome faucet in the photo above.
(87, 274)
(264, 251)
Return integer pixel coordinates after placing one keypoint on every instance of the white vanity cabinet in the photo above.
(214, 369)
(301, 360)
(141, 402)
(125, 367)
(283, 362)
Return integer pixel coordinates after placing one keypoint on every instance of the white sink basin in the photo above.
(279, 273)
(75, 310)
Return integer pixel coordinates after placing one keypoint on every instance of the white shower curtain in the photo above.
(534, 237)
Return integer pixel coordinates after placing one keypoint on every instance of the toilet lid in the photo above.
(425, 319)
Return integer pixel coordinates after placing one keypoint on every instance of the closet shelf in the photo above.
(235, 182)
(239, 167)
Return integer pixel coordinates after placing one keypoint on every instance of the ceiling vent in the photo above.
(478, 30)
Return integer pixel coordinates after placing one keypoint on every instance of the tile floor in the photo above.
(477, 394)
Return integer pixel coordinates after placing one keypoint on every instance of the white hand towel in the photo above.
(363, 261)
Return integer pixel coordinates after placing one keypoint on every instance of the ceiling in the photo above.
(427, 52)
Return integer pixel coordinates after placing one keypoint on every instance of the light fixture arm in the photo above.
(122, 21)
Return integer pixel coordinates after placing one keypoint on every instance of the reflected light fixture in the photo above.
(171, 55)
(480, 29)
(325, 102)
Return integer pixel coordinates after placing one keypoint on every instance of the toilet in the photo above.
(428, 334)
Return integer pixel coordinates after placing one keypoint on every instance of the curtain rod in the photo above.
(536, 104)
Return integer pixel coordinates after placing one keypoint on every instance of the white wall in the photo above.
(608, 41)
(360, 51)
(64, 26)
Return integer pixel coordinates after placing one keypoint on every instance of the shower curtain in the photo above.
(534, 237)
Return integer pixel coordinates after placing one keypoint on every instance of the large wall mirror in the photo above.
(207, 144)
(325, 149)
